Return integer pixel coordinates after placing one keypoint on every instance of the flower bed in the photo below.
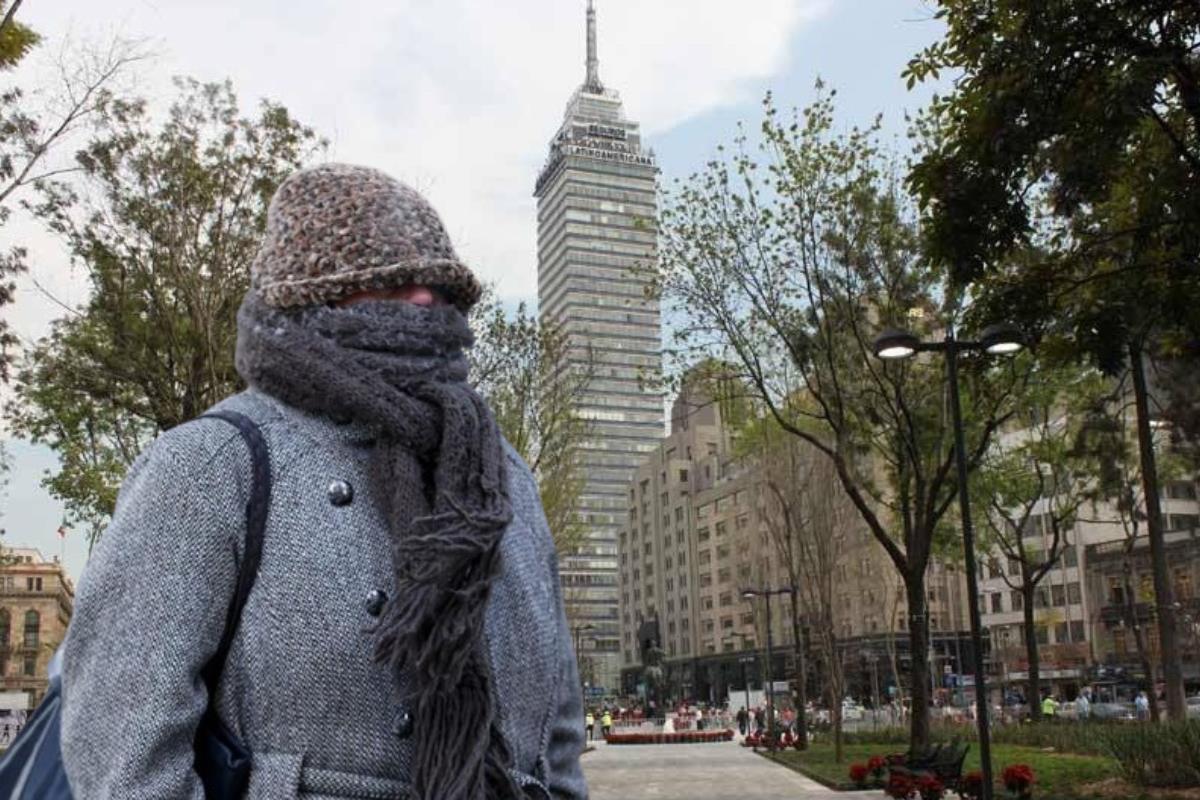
(680, 737)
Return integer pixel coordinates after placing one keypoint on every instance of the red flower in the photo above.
(1017, 777)
(900, 787)
(930, 787)
(972, 785)
(858, 773)
(876, 764)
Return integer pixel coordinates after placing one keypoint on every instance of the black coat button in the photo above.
(340, 493)
(403, 725)
(376, 599)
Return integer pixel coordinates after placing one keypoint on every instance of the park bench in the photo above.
(945, 762)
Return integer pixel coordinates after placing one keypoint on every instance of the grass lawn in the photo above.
(1059, 775)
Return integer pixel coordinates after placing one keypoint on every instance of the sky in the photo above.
(460, 99)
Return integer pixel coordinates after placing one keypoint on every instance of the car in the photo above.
(1193, 706)
(1113, 711)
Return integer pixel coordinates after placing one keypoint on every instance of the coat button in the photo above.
(376, 599)
(340, 493)
(403, 725)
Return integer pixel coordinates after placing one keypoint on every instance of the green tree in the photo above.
(805, 516)
(1030, 488)
(518, 366)
(163, 219)
(788, 269)
(1061, 175)
(1108, 433)
(32, 128)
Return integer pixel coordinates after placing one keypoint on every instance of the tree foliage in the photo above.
(164, 220)
(1032, 484)
(1061, 176)
(519, 366)
(788, 269)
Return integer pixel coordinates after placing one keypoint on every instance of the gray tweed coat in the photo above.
(301, 687)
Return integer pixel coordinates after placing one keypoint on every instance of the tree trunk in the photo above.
(1033, 691)
(836, 692)
(893, 659)
(1164, 600)
(801, 693)
(918, 645)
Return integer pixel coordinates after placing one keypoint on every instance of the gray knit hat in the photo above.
(337, 229)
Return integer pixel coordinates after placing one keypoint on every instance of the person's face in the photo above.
(413, 293)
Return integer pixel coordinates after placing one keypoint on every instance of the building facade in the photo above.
(699, 529)
(597, 218)
(36, 600)
(1081, 631)
(1120, 587)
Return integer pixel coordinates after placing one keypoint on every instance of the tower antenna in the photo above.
(593, 62)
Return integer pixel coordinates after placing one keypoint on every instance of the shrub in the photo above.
(1156, 755)
(682, 737)
(859, 773)
(877, 765)
(1072, 737)
(882, 736)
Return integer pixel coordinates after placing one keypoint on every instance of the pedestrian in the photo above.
(1049, 707)
(741, 720)
(1141, 705)
(606, 723)
(1083, 708)
(402, 538)
(588, 722)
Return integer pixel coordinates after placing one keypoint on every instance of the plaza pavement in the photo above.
(716, 771)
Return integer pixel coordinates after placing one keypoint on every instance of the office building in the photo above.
(597, 217)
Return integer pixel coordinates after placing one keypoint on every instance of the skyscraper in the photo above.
(597, 226)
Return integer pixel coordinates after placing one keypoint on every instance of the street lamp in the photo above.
(577, 630)
(750, 594)
(1001, 339)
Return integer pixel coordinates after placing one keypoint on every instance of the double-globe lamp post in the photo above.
(750, 594)
(996, 340)
(577, 630)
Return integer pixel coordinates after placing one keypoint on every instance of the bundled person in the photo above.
(404, 635)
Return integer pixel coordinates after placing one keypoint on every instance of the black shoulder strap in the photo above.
(256, 524)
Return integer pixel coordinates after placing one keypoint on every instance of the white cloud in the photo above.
(458, 97)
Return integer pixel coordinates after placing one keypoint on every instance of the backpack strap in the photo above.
(256, 524)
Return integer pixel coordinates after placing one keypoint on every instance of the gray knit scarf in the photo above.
(402, 368)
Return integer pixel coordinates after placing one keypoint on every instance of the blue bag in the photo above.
(32, 769)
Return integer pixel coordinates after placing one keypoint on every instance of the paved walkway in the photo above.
(718, 771)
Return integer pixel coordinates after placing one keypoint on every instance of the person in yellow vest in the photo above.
(606, 723)
(1049, 707)
(588, 722)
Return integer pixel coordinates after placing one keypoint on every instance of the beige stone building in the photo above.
(1119, 588)
(699, 531)
(36, 599)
